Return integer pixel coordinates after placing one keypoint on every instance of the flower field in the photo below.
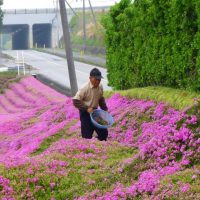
(153, 150)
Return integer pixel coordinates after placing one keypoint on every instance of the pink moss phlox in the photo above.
(30, 112)
(6, 191)
(24, 134)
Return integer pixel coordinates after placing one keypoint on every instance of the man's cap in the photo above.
(96, 73)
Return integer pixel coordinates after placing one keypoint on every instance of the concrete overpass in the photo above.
(28, 28)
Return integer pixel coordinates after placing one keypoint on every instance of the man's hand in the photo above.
(90, 109)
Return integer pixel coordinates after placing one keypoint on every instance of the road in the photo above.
(85, 58)
(55, 68)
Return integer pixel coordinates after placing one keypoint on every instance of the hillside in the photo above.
(94, 33)
(153, 150)
(6, 78)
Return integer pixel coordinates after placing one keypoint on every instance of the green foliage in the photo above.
(6, 78)
(177, 98)
(73, 22)
(151, 43)
(1, 15)
(52, 139)
(81, 175)
(170, 187)
(94, 33)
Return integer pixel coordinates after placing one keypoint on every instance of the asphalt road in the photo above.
(55, 68)
(85, 58)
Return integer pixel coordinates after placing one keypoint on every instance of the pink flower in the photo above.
(52, 185)
(194, 176)
(185, 187)
(91, 182)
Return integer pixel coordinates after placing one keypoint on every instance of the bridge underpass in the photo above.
(42, 35)
(28, 28)
(20, 36)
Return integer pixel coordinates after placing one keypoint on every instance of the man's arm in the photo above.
(77, 100)
(79, 104)
(102, 104)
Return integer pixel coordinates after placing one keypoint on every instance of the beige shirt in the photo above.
(89, 95)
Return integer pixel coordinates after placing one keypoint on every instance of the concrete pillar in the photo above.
(56, 30)
(30, 36)
(53, 43)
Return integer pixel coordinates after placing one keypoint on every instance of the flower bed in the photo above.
(147, 143)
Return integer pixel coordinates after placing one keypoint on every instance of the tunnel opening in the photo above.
(19, 36)
(42, 35)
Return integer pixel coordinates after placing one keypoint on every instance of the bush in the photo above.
(151, 43)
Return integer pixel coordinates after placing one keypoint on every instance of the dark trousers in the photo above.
(87, 128)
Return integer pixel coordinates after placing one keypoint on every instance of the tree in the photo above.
(1, 14)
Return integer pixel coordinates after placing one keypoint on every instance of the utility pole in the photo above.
(68, 48)
(84, 28)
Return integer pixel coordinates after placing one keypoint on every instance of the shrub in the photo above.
(151, 43)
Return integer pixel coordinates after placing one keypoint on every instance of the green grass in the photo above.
(6, 78)
(8, 74)
(54, 138)
(76, 181)
(176, 182)
(176, 98)
(88, 42)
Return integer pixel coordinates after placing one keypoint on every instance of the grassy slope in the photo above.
(178, 99)
(78, 171)
(6, 78)
(94, 37)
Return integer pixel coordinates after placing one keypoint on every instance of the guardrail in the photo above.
(47, 10)
(29, 11)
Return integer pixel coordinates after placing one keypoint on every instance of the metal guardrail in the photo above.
(29, 11)
(46, 10)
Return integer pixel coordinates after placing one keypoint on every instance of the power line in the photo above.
(70, 7)
(93, 13)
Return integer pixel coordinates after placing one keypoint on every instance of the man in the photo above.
(88, 98)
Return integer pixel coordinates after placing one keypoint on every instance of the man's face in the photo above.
(95, 82)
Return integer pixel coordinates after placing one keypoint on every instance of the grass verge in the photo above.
(176, 98)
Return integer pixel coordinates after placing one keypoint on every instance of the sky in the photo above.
(22, 4)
